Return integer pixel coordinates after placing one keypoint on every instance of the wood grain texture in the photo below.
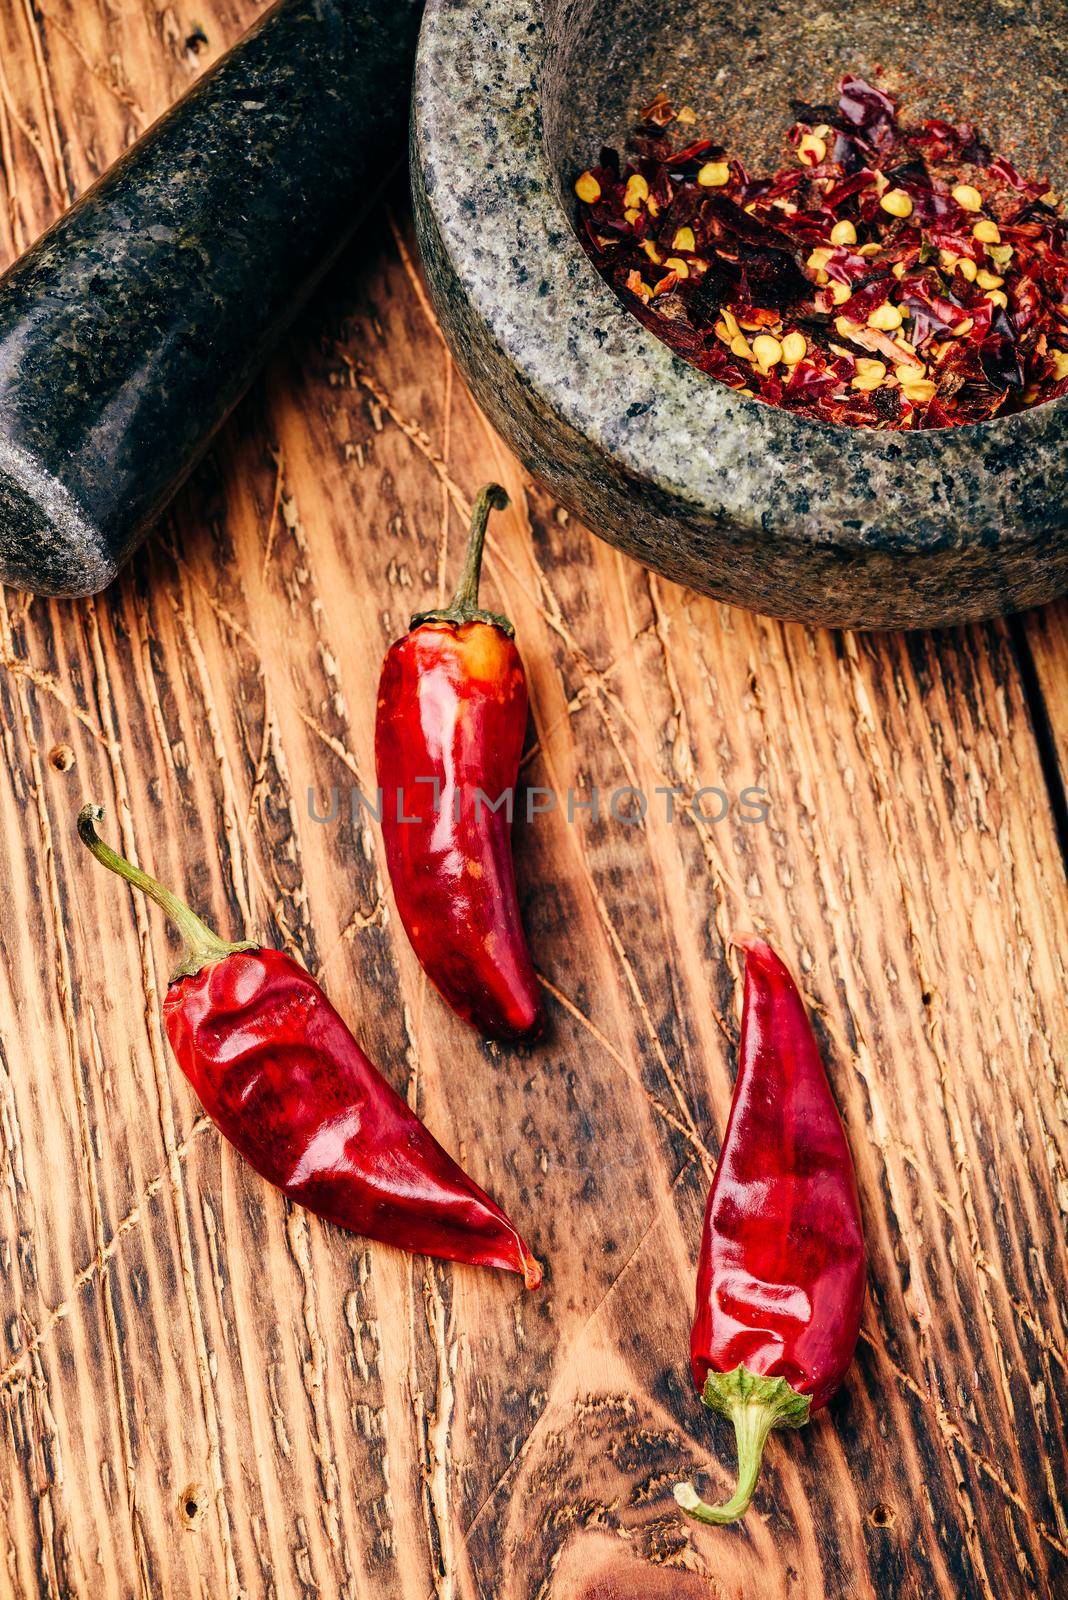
(203, 1392)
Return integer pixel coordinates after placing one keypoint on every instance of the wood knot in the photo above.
(61, 758)
(192, 1505)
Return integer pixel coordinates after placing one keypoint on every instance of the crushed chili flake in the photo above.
(895, 276)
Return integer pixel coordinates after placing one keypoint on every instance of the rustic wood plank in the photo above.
(204, 1392)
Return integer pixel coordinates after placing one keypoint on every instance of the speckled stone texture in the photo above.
(129, 332)
(828, 525)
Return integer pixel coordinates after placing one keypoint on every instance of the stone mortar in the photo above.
(828, 525)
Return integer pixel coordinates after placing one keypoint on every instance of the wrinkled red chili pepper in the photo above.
(282, 1077)
(899, 276)
(780, 1281)
(452, 711)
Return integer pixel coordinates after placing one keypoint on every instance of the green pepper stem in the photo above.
(754, 1405)
(752, 1424)
(491, 497)
(203, 947)
(464, 606)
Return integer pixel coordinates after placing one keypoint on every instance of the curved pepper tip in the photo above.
(531, 1267)
(758, 951)
(525, 1023)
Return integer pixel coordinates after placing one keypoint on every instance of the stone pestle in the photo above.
(132, 328)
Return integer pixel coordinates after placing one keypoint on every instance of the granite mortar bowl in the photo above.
(828, 525)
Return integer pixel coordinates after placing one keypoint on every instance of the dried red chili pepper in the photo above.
(282, 1077)
(898, 277)
(452, 711)
(780, 1281)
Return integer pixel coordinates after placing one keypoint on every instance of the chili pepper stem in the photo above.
(464, 607)
(755, 1405)
(203, 947)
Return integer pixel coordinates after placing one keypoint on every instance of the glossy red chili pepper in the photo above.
(780, 1282)
(452, 711)
(282, 1077)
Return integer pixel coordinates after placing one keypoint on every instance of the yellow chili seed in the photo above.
(997, 297)
(652, 207)
(636, 191)
(840, 293)
(812, 149)
(948, 259)
(846, 326)
(904, 346)
(906, 373)
(986, 231)
(732, 323)
(919, 391)
(843, 232)
(1000, 255)
(968, 197)
(870, 373)
(631, 215)
(678, 266)
(988, 280)
(819, 258)
(898, 269)
(721, 331)
(740, 347)
(714, 174)
(886, 318)
(1060, 364)
(869, 249)
(964, 328)
(684, 240)
(968, 269)
(767, 350)
(651, 251)
(793, 348)
(587, 188)
(897, 202)
(686, 114)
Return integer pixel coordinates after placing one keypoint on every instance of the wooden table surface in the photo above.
(207, 1393)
